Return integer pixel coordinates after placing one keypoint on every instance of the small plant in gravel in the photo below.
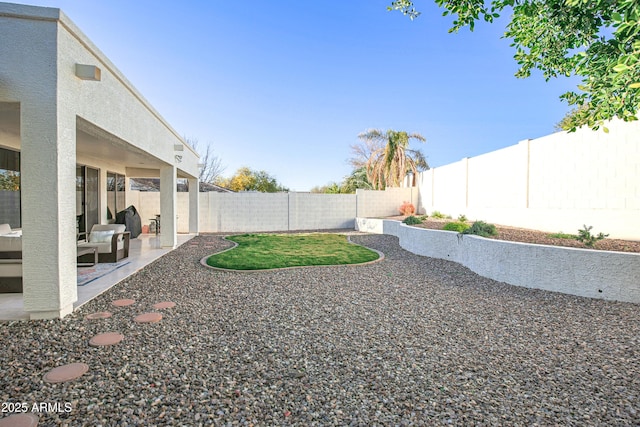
(585, 236)
(412, 220)
(562, 235)
(407, 208)
(481, 228)
(456, 226)
(438, 214)
(462, 218)
(422, 217)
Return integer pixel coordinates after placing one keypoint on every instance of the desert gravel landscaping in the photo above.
(405, 341)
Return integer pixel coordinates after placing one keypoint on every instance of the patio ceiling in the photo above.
(91, 141)
(95, 142)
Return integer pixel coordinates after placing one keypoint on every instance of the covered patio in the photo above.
(76, 130)
(142, 252)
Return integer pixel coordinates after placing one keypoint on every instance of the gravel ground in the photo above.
(406, 341)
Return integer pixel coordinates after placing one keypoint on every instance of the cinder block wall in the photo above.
(584, 272)
(372, 203)
(308, 211)
(253, 212)
(559, 182)
(243, 212)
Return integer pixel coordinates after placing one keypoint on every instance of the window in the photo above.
(10, 207)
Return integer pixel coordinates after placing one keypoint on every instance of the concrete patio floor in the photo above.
(142, 251)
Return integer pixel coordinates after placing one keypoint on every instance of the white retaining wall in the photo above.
(582, 272)
(559, 182)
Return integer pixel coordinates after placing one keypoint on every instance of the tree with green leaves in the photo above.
(597, 40)
(247, 179)
(391, 158)
(330, 188)
(9, 180)
(356, 180)
(567, 121)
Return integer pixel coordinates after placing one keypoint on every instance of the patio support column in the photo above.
(194, 205)
(48, 169)
(168, 206)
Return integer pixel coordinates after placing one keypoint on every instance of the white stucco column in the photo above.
(168, 207)
(48, 168)
(194, 205)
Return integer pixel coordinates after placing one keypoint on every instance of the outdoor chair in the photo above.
(111, 240)
(10, 259)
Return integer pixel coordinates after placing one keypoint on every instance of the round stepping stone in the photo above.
(99, 315)
(19, 420)
(148, 318)
(66, 373)
(123, 302)
(108, 338)
(164, 304)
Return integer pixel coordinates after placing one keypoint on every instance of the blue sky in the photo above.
(286, 86)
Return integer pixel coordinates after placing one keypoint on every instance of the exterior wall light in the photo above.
(88, 72)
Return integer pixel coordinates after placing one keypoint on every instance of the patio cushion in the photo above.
(114, 228)
(101, 236)
(11, 242)
(5, 229)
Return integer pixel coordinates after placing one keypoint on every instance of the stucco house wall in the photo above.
(56, 119)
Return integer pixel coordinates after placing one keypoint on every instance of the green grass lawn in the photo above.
(265, 251)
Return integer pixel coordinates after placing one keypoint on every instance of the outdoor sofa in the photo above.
(110, 240)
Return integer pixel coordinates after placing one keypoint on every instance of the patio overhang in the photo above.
(58, 119)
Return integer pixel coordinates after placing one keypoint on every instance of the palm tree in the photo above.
(357, 179)
(391, 158)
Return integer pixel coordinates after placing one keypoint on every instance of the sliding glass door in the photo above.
(87, 198)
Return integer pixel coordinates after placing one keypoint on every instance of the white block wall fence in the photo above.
(253, 212)
(559, 182)
(582, 272)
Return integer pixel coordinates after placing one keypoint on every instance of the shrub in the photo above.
(562, 235)
(438, 214)
(411, 220)
(422, 217)
(407, 208)
(462, 218)
(456, 226)
(481, 228)
(587, 238)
